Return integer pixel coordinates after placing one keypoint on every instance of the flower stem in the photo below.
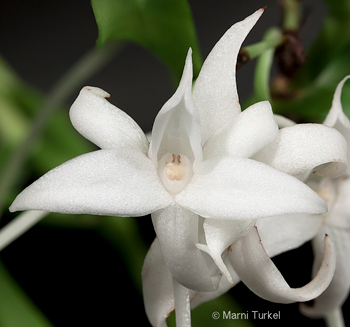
(263, 67)
(19, 226)
(182, 305)
(291, 15)
(255, 50)
(335, 318)
(89, 64)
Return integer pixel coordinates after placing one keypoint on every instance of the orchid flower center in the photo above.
(325, 194)
(175, 170)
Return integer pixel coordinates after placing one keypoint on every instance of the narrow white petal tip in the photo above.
(329, 254)
(187, 72)
(260, 11)
(328, 263)
(218, 261)
(255, 268)
(254, 16)
(96, 91)
(336, 112)
(324, 275)
(13, 207)
(16, 205)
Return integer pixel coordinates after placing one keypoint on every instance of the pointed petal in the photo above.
(336, 112)
(106, 182)
(224, 286)
(283, 121)
(104, 124)
(303, 147)
(287, 232)
(237, 188)
(250, 132)
(177, 231)
(260, 275)
(337, 292)
(177, 126)
(218, 261)
(215, 91)
(336, 117)
(157, 286)
(219, 235)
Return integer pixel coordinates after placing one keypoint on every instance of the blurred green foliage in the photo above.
(327, 63)
(16, 308)
(165, 28)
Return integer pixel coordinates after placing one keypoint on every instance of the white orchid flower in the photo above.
(196, 165)
(196, 177)
(233, 244)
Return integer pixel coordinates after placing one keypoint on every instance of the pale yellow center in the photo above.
(174, 171)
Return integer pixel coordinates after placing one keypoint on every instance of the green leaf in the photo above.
(16, 308)
(164, 27)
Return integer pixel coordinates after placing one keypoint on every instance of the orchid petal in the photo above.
(120, 182)
(303, 147)
(257, 271)
(220, 234)
(336, 117)
(177, 127)
(104, 124)
(239, 189)
(338, 216)
(336, 112)
(287, 232)
(224, 286)
(177, 231)
(215, 90)
(283, 121)
(157, 286)
(337, 292)
(250, 132)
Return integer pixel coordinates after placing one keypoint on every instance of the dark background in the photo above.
(75, 276)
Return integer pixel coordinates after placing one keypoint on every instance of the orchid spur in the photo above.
(195, 177)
